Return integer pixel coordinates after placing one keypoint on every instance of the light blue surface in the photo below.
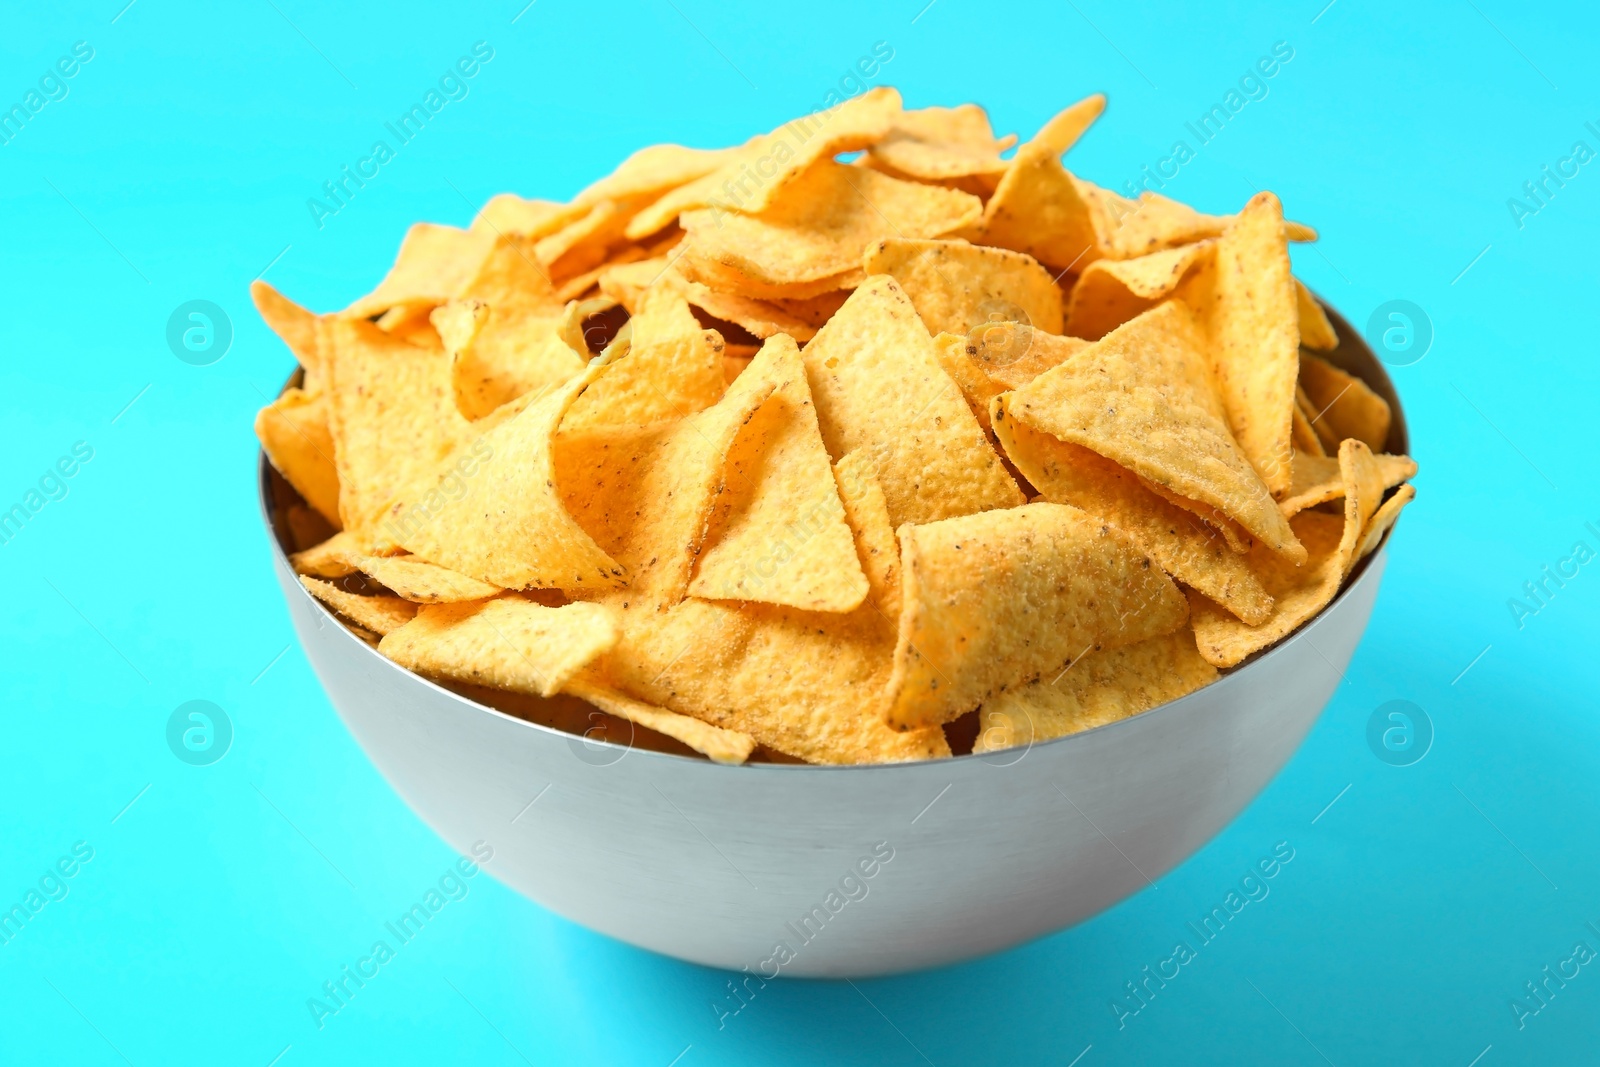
(178, 167)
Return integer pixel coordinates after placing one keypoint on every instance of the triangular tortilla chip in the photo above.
(434, 264)
(878, 386)
(1153, 222)
(820, 224)
(297, 328)
(995, 600)
(509, 215)
(1316, 330)
(1317, 479)
(1246, 305)
(671, 368)
(1181, 544)
(422, 582)
(393, 419)
(868, 514)
(502, 520)
(941, 144)
(956, 286)
(1110, 292)
(1065, 127)
(333, 558)
(1142, 396)
(505, 643)
(779, 534)
(977, 388)
(1384, 518)
(726, 279)
(1302, 435)
(1099, 688)
(379, 614)
(720, 745)
(655, 169)
(293, 430)
(1038, 209)
(1344, 405)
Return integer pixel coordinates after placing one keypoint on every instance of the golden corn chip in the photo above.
(996, 600)
(393, 419)
(821, 223)
(434, 264)
(759, 172)
(1099, 688)
(1249, 315)
(1316, 331)
(779, 534)
(1181, 544)
(720, 745)
(798, 682)
(509, 215)
(1302, 435)
(333, 558)
(868, 515)
(1064, 129)
(761, 318)
(410, 323)
(586, 241)
(937, 144)
(1038, 209)
(494, 512)
(1384, 518)
(1300, 592)
(1142, 396)
(422, 582)
(654, 170)
(294, 434)
(1236, 536)
(504, 643)
(1153, 222)
(573, 317)
(726, 279)
(817, 310)
(379, 614)
(1012, 355)
(957, 286)
(297, 328)
(878, 387)
(1110, 292)
(1317, 479)
(671, 368)
(977, 388)
(1345, 405)
(626, 282)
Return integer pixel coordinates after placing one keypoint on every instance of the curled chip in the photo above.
(1112, 291)
(377, 614)
(997, 600)
(1345, 405)
(957, 287)
(943, 144)
(294, 434)
(434, 264)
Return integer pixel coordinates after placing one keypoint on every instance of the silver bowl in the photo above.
(836, 871)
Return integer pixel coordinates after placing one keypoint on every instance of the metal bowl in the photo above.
(837, 871)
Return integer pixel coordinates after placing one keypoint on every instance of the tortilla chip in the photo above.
(1316, 330)
(956, 286)
(393, 419)
(654, 170)
(509, 215)
(1181, 544)
(1153, 222)
(1246, 305)
(1302, 435)
(1345, 405)
(977, 388)
(671, 368)
(722, 746)
(941, 144)
(878, 386)
(1317, 479)
(1110, 292)
(1142, 396)
(1299, 592)
(505, 643)
(434, 264)
(586, 242)
(1384, 518)
(494, 513)
(995, 600)
(761, 318)
(726, 279)
(333, 558)
(820, 225)
(295, 326)
(868, 515)
(1064, 129)
(293, 430)
(379, 614)
(1038, 209)
(1100, 688)
(779, 534)
(1013, 355)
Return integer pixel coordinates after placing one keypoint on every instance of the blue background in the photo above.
(221, 897)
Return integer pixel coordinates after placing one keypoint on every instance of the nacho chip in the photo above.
(501, 520)
(1038, 209)
(956, 286)
(779, 534)
(509, 215)
(422, 582)
(941, 144)
(671, 368)
(878, 386)
(1316, 330)
(1153, 222)
(293, 430)
(1142, 397)
(654, 170)
(1238, 539)
(1302, 435)
(1317, 479)
(720, 745)
(1384, 518)
(1100, 688)
(1013, 355)
(295, 326)
(820, 225)
(1345, 405)
(868, 514)
(333, 558)
(505, 643)
(586, 241)
(434, 264)
(977, 388)
(726, 279)
(1180, 543)
(1110, 292)
(379, 614)
(996, 600)
(1064, 128)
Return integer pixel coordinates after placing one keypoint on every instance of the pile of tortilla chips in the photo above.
(848, 444)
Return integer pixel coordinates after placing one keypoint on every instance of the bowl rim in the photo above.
(1366, 366)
